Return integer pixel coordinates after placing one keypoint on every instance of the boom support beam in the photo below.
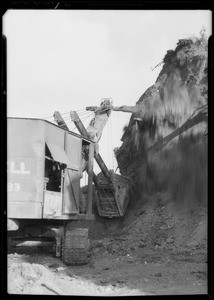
(59, 120)
(90, 179)
(75, 118)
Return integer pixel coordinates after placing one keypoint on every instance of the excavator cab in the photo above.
(44, 171)
(44, 195)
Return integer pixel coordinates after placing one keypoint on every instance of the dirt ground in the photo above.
(157, 249)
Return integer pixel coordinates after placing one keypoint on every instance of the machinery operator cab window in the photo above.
(53, 173)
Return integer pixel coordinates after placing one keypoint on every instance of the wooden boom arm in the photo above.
(124, 108)
(75, 118)
(59, 120)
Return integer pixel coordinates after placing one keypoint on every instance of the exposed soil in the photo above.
(159, 248)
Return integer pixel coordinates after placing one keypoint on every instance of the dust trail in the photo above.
(181, 170)
(181, 167)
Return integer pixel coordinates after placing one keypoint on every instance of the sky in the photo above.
(69, 59)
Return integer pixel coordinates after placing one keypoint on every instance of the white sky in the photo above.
(68, 59)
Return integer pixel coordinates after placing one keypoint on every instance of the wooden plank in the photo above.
(75, 118)
(75, 185)
(59, 120)
(90, 180)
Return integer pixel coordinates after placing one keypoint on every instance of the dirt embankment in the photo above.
(181, 166)
(159, 249)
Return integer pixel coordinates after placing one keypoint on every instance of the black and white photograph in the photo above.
(107, 151)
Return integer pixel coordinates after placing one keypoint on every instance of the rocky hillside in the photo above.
(180, 168)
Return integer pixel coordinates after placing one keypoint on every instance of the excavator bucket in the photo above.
(112, 198)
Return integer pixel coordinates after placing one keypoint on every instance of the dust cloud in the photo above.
(181, 166)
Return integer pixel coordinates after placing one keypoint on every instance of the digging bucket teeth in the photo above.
(112, 199)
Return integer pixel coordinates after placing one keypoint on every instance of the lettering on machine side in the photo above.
(17, 168)
(13, 187)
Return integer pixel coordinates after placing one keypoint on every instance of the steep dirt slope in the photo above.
(158, 249)
(181, 167)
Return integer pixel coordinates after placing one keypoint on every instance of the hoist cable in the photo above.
(83, 120)
(86, 117)
(80, 115)
(68, 113)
